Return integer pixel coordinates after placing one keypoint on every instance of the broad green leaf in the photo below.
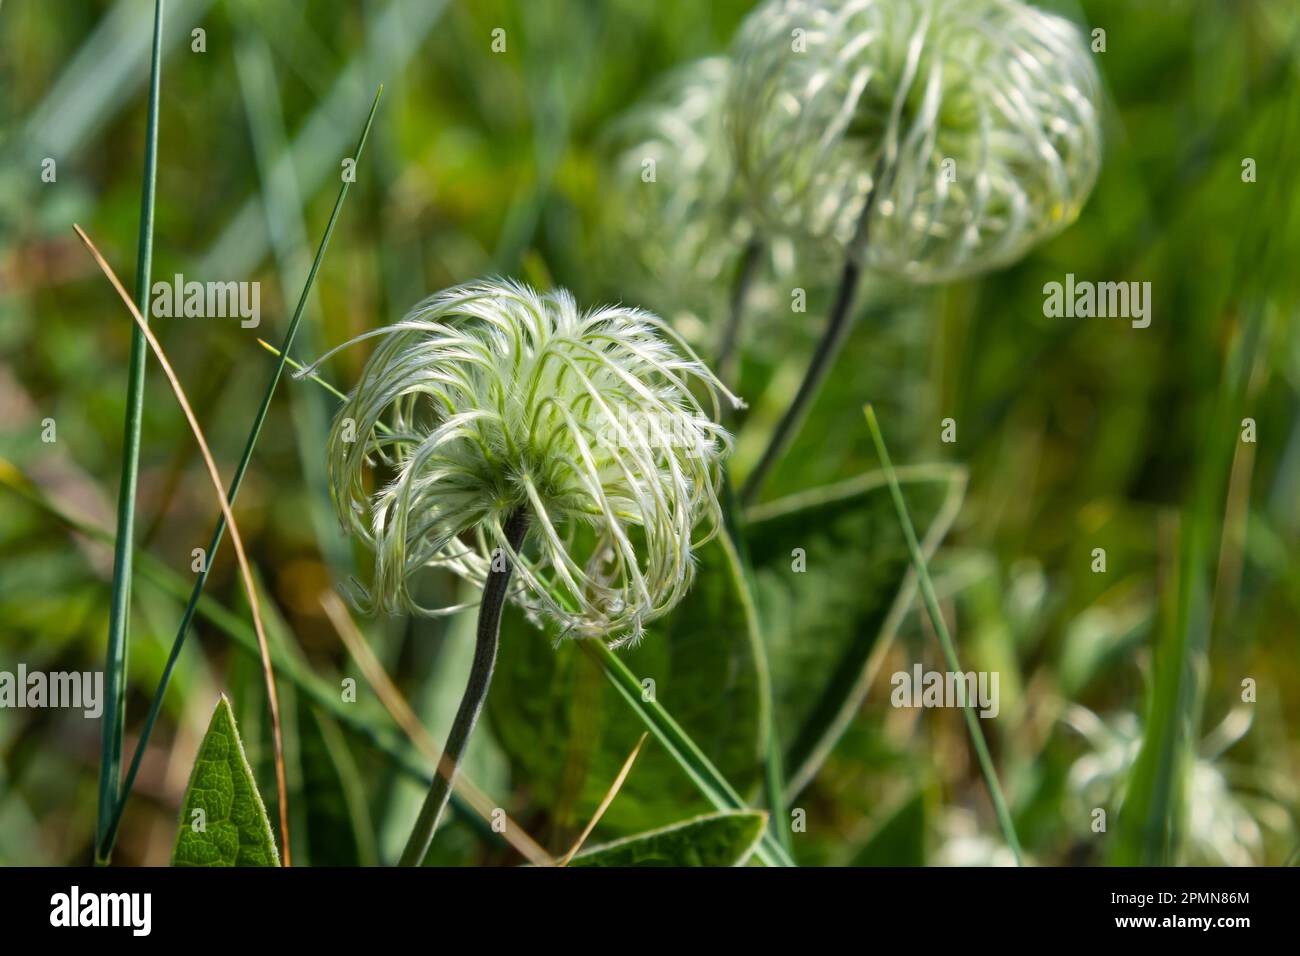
(706, 777)
(223, 821)
(833, 580)
(567, 730)
(716, 839)
(900, 839)
(338, 819)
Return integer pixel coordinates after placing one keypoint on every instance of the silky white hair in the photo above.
(490, 397)
(975, 121)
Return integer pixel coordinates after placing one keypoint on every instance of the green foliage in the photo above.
(119, 619)
(339, 829)
(716, 839)
(946, 644)
(1153, 818)
(109, 835)
(900, 839)
(1074, 435)
(829, 606)
(567, 731)
(223, 820)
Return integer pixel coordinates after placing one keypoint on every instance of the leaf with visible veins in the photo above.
(716, 839)
(223, 820)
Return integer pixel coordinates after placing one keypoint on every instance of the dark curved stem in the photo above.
(476, 689)
(746, 271)
(828, 349)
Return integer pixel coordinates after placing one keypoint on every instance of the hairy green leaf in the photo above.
(223, 820)
(567, 732)
(832, 582)
(716, 839)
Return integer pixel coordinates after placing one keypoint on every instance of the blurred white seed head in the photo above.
(670, 220)
(979, 118)
(1221, 828)
(676, 243)
(490, 397)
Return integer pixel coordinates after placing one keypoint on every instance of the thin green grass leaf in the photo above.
(319, 691)
(945, 639)
(774, 778)
(829, 634)
(1153, 816)
(100, 79)
(110, 835)
(119, 620)
(282, 202)
(394, 33)
(245, 569)
(685, 751)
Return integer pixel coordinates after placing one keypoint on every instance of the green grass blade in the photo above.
(709, 781)
(282, 202)
(774, 778)
(314, 377)
(114, 718)
(97, 81)
(106, 842)
(774, 792)
(945, 639)
(819, 698)
(317, 690)
(1153, 816)
(727, 838)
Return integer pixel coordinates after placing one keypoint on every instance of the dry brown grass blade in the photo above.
(373, 671)
(604, 804)
(244, 568)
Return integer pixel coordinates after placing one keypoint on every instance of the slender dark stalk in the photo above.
(476, 689)
(746, 272)
(119, 619)
(828, 350)
(109, 837)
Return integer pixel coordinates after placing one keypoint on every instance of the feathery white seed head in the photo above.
(980, 118)
(671, 221)
(490, 397)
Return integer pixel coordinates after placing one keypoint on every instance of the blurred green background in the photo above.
(1072, 434)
